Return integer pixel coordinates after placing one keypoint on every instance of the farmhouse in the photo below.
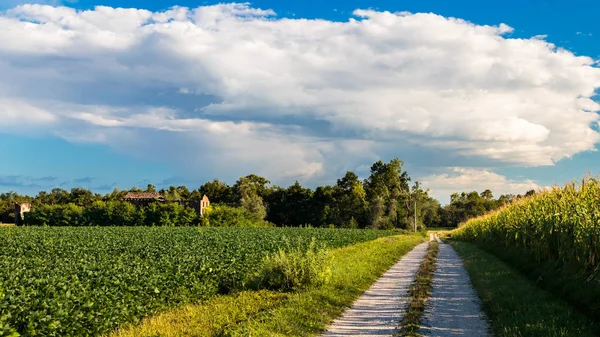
(142, 199)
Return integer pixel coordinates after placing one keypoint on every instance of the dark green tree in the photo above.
(217, 192)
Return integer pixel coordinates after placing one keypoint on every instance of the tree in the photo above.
(377, 209)
(350, 201)
(172, 194)
(291, 206)
(387, 188)
(324, 207)
(465, 205)
(115, 195)
(82, 197)
(57, 196)
(217, 192)
(248, 190)
(487, 194)
(253, 181)
(184, 192)
(251, 201)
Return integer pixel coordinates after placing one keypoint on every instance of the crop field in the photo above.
(562, 225)
(66, 281)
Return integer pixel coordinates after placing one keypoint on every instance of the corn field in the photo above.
(559, 224)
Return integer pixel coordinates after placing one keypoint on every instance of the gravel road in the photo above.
(453, 309)
(379, 311)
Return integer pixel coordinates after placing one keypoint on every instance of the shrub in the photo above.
(169, 214)
(55, 215)
(297, 267)
(225, 216)
(353, 223)
(111, 213)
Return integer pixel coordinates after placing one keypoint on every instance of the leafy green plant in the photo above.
(5, 329)
(86, 281)
(226, 216)
(296, 267)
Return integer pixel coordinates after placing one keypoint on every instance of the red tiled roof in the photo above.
(143, 195)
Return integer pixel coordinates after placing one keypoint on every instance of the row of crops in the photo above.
(562, 224)
(71, 281)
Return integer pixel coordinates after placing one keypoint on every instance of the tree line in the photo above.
(386, 199)
(464, 206)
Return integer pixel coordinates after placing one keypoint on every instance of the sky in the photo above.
(470, 95)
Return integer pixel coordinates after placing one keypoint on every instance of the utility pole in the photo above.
(415, 215)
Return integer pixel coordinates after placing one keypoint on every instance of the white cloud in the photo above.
(232, 89)
(460, 179)
(15, 113)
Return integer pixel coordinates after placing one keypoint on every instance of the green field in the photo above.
(561, 225)
(86, 281)
(552, 238)
(302, 313)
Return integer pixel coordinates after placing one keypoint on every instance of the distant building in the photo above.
(20, 210)
(142, 199)
(198, 205)
(204, 202)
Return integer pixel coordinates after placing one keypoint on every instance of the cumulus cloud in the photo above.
(460, 179)
(231, 89)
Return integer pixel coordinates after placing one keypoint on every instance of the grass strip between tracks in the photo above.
(419, 292)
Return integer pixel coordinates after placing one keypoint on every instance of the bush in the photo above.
(111, 213)
(298, 267)
(225, 216)
(169, 214)
(55, 215)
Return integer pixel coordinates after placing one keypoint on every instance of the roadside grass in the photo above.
(419, 292)
(269, 313)
(514, 304)
(216, 317)
(562, 280)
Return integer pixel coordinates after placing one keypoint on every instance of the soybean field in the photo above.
(67, 281)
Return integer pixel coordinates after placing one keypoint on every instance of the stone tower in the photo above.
(20, 210)
(203, 204)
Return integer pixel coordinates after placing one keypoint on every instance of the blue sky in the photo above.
(152, 108)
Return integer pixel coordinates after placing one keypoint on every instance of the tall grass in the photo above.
(561, 224)
(297, 267)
